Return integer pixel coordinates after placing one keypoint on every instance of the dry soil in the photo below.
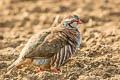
(98, 57)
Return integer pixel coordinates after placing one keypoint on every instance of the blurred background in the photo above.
(98, 55)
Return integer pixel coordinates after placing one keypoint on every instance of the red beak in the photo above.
(79, 22)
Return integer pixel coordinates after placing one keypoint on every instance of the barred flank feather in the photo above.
(68, 50)
(64, 54)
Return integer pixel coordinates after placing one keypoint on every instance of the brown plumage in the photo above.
(52, 47)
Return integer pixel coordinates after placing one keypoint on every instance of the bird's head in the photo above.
(71, 21)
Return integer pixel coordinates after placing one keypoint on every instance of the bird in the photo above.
(51, 48)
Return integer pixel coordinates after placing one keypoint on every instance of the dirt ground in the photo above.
(98, 57)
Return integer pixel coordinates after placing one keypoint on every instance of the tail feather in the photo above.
(20, 59)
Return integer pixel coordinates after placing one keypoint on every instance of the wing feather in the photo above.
(49, 45)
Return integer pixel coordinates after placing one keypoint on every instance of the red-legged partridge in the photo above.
(52, 47)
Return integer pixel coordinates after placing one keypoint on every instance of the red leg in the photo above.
(41, 69)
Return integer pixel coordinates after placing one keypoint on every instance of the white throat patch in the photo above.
(71, 25)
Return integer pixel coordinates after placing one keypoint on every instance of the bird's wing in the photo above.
(47, 45)
(34, 42)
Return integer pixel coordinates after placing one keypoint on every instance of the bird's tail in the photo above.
(20, 59)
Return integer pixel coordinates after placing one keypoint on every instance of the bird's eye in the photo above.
(74, 20)
(78, 21)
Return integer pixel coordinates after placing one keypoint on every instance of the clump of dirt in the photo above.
(98, 56)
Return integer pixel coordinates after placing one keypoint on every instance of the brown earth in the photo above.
(97, 58)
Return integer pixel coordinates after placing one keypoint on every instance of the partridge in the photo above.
(51, 48)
